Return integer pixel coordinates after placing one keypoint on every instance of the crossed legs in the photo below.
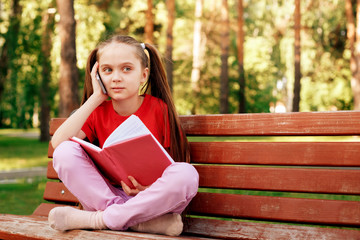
(157, 208)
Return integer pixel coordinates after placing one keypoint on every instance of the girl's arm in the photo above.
(72, 126)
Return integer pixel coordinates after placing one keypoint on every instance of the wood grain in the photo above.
(336, 181)
(277, 208)
(277, 153)
(274, 124)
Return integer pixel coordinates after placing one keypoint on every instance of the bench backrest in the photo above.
(247, 176)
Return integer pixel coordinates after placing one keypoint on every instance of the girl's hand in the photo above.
(133, 192)
(95, 83)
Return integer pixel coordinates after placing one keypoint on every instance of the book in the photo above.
(130, 150)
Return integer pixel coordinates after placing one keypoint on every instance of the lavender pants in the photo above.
(172, 192)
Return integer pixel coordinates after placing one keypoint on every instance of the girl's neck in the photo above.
(127, 107)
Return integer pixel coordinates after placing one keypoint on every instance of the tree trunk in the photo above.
(7, 54)
(69, 76)
(225, 42)
(170, 5)
(149, 25)
(46, 46)
(354, 44)
(240, 55)
(196, 65)
(297, 83)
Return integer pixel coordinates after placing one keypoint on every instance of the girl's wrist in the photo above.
(97, 99)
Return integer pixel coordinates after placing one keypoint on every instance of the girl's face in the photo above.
(121, 71)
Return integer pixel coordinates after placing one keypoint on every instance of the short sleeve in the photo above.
(88, 127)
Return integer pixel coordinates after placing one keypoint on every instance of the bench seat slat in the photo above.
(257, 230)
(277, 153)
(57, 192)
(277, 208)
(337, 181)
(274, 124)
(35, 227)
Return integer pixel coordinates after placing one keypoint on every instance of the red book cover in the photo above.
(139, 155)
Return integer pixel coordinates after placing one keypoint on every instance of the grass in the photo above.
(21, 152)
(22, 197)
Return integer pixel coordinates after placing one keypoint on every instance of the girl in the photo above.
(124, 68)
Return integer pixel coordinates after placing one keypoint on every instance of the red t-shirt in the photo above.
(104, 120)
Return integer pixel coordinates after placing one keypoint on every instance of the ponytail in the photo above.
(88, 88)
(159, 87)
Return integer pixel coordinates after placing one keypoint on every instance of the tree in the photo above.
(46, 46)
(225, 42)
(196, 63)
(170, 5)
(354, 45)
(240, 56)
(297, 83)
(69, 75)
(8, 55)
(149, 24)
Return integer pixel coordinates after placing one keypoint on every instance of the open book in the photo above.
(130, 150)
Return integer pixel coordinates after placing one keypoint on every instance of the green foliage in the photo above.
(20, 100)
(268, 57)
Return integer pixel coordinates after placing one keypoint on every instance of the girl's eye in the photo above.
(107, 70)
(126, 69)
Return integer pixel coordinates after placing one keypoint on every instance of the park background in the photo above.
(221, 56)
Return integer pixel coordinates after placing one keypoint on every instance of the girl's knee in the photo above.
(185, 175)
(64, 155)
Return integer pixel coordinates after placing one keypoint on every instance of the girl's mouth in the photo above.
(117, 89)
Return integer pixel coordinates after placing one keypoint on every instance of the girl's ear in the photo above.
(145, 75)
(143, 82)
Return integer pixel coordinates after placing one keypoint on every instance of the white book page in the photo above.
(130, 128)
(87, 143)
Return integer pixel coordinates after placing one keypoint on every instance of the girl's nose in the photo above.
(116, 76)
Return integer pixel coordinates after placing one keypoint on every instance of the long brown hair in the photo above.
(157, 85)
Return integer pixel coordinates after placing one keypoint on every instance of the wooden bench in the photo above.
(295, 188)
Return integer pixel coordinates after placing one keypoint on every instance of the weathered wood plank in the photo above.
(262, 124)
(274, 124)
(57, 192)
(277, 208)
(31, 227)
(51, 173)
(277, 153)
(50, 150)
(257, 230)
(55, 124)
(336, 181)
